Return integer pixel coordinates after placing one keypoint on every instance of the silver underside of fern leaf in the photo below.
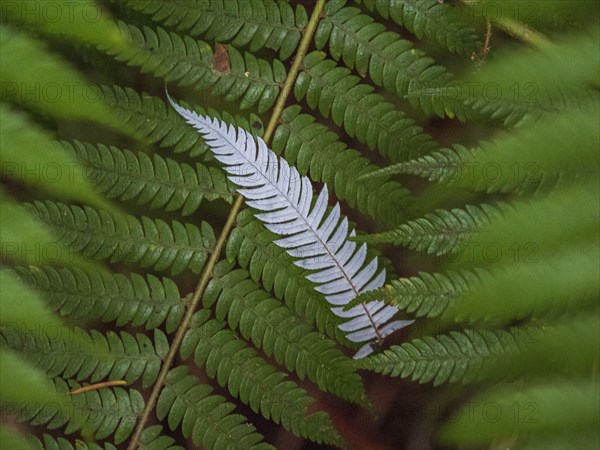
(317, 239)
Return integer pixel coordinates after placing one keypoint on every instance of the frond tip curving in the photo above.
(317, 240)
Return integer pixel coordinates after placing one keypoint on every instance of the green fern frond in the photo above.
(249, 82)
(427, 295)
(272, 327)
(153, 121)
(528, 104)
(33, 244)
(555, 411)
(529, 160)
(206, 419)
(455, 357)
(112, 356)
(85, 295)
(533, 229)
(536, 358)
(148, 242)
(33, 67)
(25, 388)
(256, 383)
(30, 311)
(372, 121)
(48, 442)
(535, 285)
(12, 439)
(432, 20)
(389, 60)
(580, 439)
(442, 166)
(25, 146)
(440, 232)
(318, 152)
(77, 25)
(274, 24)
(104, 412)
(530, 108)
(151, 440)
(161, 182)
(535, 158)
(252, 246)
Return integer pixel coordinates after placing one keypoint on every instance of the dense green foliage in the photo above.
(464, 144)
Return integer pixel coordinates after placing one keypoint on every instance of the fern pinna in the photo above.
(318, 241)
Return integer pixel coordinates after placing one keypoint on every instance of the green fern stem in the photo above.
(517, 29)
(523, 32)
(214, 257)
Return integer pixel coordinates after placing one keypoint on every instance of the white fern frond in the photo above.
(318, 240)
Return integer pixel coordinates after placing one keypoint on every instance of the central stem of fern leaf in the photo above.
(207, 273)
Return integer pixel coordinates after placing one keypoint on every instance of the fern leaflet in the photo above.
(539, 164)
(151, 243)
(111, 356)
(154, 122)
(206, 418)
(443, 166)
(430, 19)
(440, 232)
(320, 244)
(108, 297)
(426, 295)
(151, 440)
(47, 442)
(161, 182)
(275, 25)
(570, 412)
(455, 357)
(190, 62)
(103, 412)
